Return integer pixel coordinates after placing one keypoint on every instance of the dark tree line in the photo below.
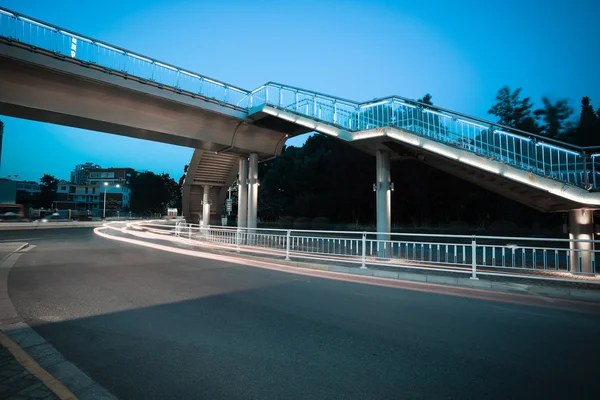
(154, 193)
(553, 119)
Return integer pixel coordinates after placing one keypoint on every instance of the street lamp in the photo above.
(105, 187)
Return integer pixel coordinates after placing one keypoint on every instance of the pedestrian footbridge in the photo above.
(52, 74)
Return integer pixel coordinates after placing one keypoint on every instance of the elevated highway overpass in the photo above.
(54, 75)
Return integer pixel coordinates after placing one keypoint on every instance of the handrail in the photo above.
(439, 109)
(111, 46)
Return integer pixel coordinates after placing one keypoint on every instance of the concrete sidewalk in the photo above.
(16, 382)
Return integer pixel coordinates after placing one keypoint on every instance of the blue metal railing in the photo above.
(543, 156)
(71, 45)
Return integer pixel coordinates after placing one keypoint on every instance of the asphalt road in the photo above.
(148, 324)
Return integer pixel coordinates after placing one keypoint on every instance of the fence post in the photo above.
(586, 178)
(474, 258)
(238, 239)
(287, 245)
(364, 250)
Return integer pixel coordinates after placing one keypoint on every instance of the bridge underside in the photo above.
(42, 86)
(532, 196)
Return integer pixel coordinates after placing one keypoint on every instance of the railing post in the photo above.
(287, 245)
(296, 101)
(535, 147)
(474, 258)
(364, 250)
(593, 172)
(238, 239)
(334, 112)
(585, 173)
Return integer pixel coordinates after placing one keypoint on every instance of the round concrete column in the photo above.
(252, 190)
(206, 205)
(384, 196)
(242, 217)
(581, 227)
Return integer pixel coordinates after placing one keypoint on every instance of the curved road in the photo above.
(147, 324)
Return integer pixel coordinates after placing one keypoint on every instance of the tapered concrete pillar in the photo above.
(252, 190)
(581, 227)
(242, 217)
(384, 197)
(205, 205)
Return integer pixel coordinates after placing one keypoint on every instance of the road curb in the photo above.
(4, 227)
(36, 355)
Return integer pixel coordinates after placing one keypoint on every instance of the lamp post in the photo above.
(105, 187)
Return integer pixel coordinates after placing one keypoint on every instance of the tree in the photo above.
(426, 99)
(555, 116)
(174, 190)
(598, 121)
(513, 111)
(587, 133)
(149, 193)
(48, 188)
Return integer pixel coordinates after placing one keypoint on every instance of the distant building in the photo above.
(28, 187)
(70, 196)
(8, 191)
(80, 173)
(112, 176)
(117, 198)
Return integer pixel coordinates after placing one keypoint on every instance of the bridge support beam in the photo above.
(242, 217)
(384, 196)
(206, 205)
(581, 227)
(252, 190)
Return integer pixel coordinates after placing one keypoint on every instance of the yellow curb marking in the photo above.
(35, 369)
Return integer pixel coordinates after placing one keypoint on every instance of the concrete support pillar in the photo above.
(384, 197)
(242, 218)
(581, 227)
(252, 190)
(205, 205)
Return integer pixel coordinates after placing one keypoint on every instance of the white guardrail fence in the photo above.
(538, 258)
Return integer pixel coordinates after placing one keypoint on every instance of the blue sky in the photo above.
(461, 52)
